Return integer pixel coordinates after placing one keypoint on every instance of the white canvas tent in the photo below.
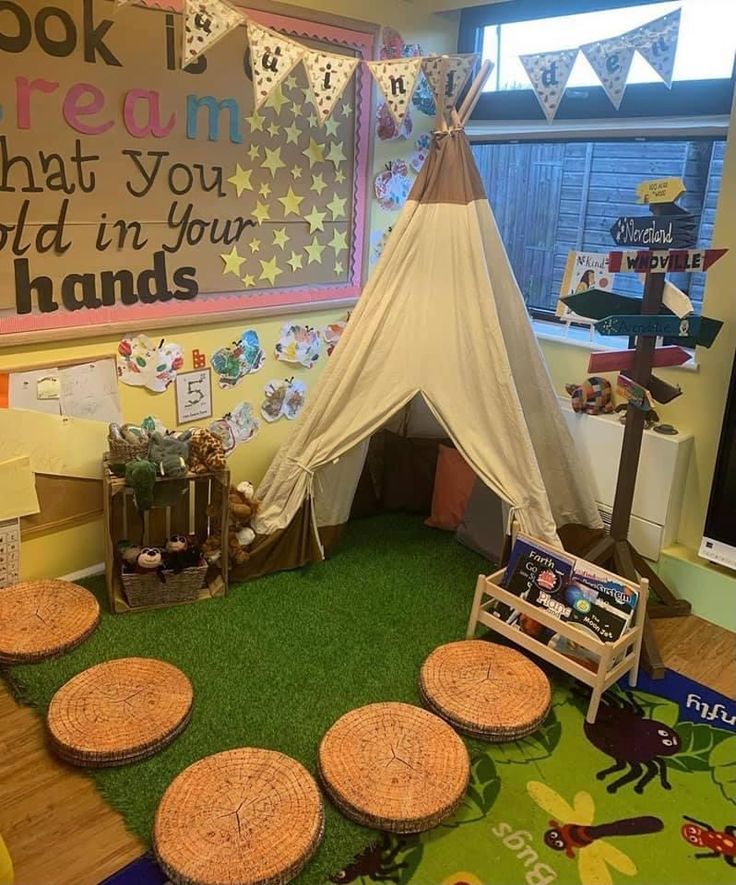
(442, 318)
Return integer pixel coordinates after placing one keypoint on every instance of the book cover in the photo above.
(583, 271)
(609, 587)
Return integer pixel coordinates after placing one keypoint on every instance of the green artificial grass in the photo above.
(277, 661)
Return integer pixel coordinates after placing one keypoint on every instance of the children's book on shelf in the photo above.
(571, 590)
(583, 271)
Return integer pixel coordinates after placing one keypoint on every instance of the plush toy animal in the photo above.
(150, 561)
(181, 552)
(170, 454)
(206, 452)
(592, 397)
(140, 475)
(651, 417)
(242, 507)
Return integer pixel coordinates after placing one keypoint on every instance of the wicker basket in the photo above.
(122, 451)
(147, 590)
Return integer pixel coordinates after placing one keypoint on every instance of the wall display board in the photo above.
(135, 193)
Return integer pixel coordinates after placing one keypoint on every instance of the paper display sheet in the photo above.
(134, 190)
(90, 391)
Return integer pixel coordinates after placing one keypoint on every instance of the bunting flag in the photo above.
(611, 61)
(656, 42)
(328, 76)
(549, 73)
(205, 23)
(273, 58)
(119, 3)
(397, 78)
(459, 68)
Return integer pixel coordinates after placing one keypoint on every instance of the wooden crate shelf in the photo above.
(188, 515)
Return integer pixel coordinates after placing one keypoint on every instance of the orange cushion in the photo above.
(453, 483)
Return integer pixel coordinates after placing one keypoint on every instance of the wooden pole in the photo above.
(635, 418)
(475, 92)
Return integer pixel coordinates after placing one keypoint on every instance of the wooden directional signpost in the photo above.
(647, 319)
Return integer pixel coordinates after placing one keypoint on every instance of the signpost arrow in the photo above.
(597, 304)
(660, 190)
(674, 261)
(656, 231)
(623, 360)
(662, 391)
(703, 329)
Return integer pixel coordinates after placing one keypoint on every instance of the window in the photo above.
(703, 73)
(553, 197)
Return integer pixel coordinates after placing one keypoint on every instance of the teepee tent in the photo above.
(442, 318)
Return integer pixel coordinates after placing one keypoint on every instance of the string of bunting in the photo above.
(274, 56)
(611, 59)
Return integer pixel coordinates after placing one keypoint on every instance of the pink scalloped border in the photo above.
(215, 303)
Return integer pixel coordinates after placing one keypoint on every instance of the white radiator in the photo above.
(660, 483)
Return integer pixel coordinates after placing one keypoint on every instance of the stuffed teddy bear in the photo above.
(206, 452)
(592, 397)
(242, 506)
(170, 454)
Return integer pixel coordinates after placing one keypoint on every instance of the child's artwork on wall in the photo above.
(238, 426)
(136, 191)
(416, 160)
(392, 186)
(332, 334)
(193, 396)
(299, 345)
(244, 357)
(379, 238)
(387, 128)
(143, 362)
(283, 399)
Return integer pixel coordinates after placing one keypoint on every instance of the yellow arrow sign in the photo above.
(660, 190)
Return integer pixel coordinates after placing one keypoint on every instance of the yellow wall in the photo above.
(700, 409)
(74, 549)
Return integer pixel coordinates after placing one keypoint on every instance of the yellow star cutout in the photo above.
(261, 213)
(291, 82)
(337, 207)
(296, 262)
(232, 262)
(339, 269)
(296, 172)
(249, 281)
(292, 133)
(273, 129)
(336, 154)
(240, 179)
(331, 126)
(312, 121)
(318, 184)
(297, 109)
(265, 189)
(316, 220)
(254, 151)
(291, 203)
(255, 245)
(314, 250)
(270, 270)
(280, 237)
(315, 153)
(339, 242)
(347, 109)
(273, 161)
(277, 99)
(255, 121)
(339, 176)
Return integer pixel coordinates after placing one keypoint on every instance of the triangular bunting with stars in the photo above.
(397, 79)
(273, 58)
(656, 42)
(205, 23)
(549, 73)
(611, 61)
(328, 75)
(458, 69)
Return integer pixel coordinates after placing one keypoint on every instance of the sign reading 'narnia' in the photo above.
(131, 189)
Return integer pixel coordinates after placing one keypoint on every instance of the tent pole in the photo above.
(441, 123)
(475, 92)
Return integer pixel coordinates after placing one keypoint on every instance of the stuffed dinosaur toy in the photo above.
(170, 454)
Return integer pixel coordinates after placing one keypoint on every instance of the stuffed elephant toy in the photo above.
(170, 454)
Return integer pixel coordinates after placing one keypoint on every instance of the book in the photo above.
(575, 592)
(583, 271)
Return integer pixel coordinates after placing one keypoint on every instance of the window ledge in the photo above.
(580, 338)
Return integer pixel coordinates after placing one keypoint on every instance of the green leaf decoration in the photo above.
(723, 764)
(698, 741)
(537, 746)
(412, 857)
(658, 708)
(485, 785)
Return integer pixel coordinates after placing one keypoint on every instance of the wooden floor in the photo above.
(59, 831)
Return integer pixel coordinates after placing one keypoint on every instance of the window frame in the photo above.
(708, 97)
(548, 315)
